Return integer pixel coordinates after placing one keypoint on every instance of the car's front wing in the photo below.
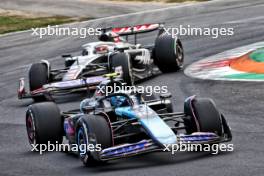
(147, 146)
(60, 88)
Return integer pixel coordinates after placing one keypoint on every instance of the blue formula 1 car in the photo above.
(125, 124)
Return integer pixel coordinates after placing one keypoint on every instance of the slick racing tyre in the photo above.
(93, 130)
(121, 63)
(44, 123)
(205, 118)
(38, 76)
(168, 53)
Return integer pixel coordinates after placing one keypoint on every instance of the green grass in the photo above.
(17, 23)
(171, 1)
(166, 1)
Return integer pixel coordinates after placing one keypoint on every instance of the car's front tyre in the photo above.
(44, 123)
(38, 76)
(203, 116)
(94, 131)
(120, 62)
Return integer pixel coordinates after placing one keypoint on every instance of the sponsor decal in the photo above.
(125, 149)
(138, 28)
(77, 82)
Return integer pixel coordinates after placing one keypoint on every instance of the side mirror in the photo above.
(87, 109)
(69, 60)
(66, 55)
(165, 96)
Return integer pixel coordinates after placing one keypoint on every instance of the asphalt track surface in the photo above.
(78, 8)
(241, 102)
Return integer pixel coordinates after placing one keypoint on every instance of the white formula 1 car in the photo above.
(112, 53)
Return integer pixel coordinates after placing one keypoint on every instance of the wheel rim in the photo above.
(31, 129)
(81, 141)
(179, 53)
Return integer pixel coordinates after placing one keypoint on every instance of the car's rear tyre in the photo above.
(95, 126)
(38, 76)
(44, 123)
(168, 53)
(205, 118)
(121, 63)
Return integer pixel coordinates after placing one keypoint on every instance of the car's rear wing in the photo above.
(130, 30)
(118, 32)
